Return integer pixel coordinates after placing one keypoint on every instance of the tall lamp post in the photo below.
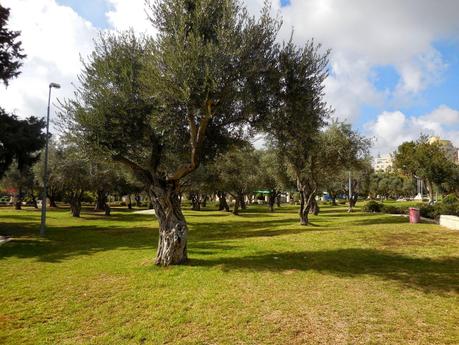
(45, 175)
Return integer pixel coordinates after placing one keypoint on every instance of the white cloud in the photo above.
(364, 34)
(444, 115)
(128, 14)
(390, 129)
(53, 37)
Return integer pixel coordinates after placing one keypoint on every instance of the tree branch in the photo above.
(197, 136)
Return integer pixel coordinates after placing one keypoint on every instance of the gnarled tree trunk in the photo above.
(52, 200)
(75, 207)
(223, 204)
(195, 202)
(101, 202)
(129, 205)
(315, 209)
(237, 204)
(271, 201)
(242, 201)
(333, 196)
(203, 200)
(173, 230)
(307, 197)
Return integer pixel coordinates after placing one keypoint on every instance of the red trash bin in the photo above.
(415, 215)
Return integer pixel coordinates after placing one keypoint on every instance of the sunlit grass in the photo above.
(258, 278)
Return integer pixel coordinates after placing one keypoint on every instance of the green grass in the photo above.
(254, 279)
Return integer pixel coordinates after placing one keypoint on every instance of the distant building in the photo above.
(383, 162)
(451, 152)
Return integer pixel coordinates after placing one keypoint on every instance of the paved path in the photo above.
(145, 212)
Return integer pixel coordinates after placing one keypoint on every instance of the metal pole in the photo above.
(45, 175)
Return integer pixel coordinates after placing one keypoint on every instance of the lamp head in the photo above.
(55, 85)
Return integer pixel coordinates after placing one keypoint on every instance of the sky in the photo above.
(394, 65)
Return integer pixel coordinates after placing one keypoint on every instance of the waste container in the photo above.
(415, 215)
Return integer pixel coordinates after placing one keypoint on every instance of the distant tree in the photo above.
(74, 174)
(10, 49)
(272, 175)
(342, 149)
(360, 180)
(299, 114)
(391, 185)
(55, 160)
(199, 185)
(20, 141)
(237, 174)
(104, 176)
(18, 181)
(426, 161)
(163, 105)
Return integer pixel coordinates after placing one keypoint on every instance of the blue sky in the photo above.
(394, 67)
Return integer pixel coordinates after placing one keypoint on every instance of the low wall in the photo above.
(451, 222)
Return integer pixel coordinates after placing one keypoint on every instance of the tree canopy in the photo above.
(10, 49)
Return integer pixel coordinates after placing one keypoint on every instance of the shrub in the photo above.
(372, 206)
(429, 211)
(392, 209)
(450, 199)
(448, 208)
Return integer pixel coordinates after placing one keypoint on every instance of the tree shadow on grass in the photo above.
(429, 275)
(62, 243)
(82, 238)
(210, 231)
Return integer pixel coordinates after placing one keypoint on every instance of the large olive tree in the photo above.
(299, 114)
(161, 105)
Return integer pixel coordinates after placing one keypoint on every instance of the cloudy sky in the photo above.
(394, 68)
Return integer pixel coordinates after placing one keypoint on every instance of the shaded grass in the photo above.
(258, 278)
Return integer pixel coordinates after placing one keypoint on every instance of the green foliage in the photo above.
(391, 185)
(393, 209)
(426, 161)
(237, 171)
(429, 211)
(162, 105)
(372, 206)
(10, 49)
(20, 141)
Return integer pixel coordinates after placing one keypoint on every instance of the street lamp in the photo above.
(45, 175)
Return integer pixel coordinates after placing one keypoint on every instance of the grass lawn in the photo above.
(258, 278)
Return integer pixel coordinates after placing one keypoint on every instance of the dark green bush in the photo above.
(429, 211)
(450, 199)
(392, 209)
(448, 208)
(372, 206)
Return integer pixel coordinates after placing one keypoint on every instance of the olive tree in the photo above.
(299, 114)
(238, 174)
(426, 161)
(161, 105)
